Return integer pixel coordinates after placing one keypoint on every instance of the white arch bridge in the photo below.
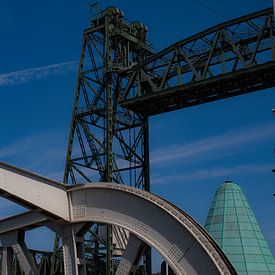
(70, 210)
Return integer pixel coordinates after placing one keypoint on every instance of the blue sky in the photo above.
(192, 151)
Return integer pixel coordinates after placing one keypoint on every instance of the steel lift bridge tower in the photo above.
(108, 143)
(121, 82)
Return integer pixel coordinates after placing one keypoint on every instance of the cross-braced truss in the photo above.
(233, 58)
(121, 82)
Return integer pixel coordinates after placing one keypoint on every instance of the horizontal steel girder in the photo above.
(244, 81)
(184, 244)
(230, 59)
(27, 220)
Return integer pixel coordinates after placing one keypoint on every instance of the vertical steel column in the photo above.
(109, 135)
(68, 167)
(145, 125)
(73, 251)
(54, 264)
(145, 128)
(7, 262)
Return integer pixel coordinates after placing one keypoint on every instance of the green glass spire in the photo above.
(233, 225)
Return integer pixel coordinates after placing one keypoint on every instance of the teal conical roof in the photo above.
(233, 225)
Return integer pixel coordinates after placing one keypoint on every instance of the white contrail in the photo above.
(27, 75)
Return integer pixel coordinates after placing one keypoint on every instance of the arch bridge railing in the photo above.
(230, 59)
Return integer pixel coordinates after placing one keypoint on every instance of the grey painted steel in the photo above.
(31, 190)
(130, 260)
(73, 250)
(176, 236)
(15, 240)
(25, 259)
(27, 219)
(120, 240)
(7, 261)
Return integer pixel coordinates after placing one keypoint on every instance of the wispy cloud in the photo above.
(42, 153)
(28, 143)
(27, 75)
(18, 147)
(207, 146)
(213, 172)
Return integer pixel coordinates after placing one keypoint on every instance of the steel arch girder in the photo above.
(185, 245)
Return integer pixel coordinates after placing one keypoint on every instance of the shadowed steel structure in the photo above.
(108, 142)
(121, 82)
(184, 244)
(230, 59)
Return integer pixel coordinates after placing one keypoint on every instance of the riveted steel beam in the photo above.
(131, 256)
(33, 191)
(184, 244)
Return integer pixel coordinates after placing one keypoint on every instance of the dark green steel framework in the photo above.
(121, 83)
(230, 59)
(41, 258)
(107, 142)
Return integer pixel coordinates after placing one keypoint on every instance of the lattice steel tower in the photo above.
(107, 142)
(121, 82)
